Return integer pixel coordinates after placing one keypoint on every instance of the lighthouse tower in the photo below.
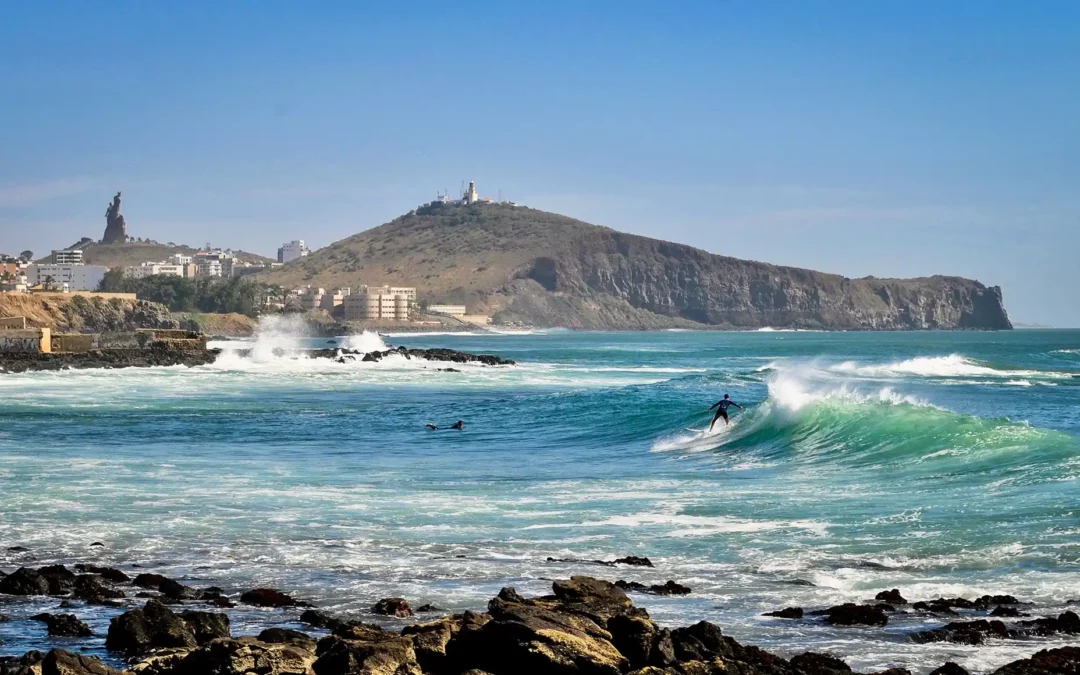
(470, 195)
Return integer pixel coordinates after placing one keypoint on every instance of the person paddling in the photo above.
(721, 409)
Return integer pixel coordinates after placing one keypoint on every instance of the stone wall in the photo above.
(13, 323)
(73, 342)
(35, 341)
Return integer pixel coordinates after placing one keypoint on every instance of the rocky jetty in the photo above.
(447, 355)
(586, 626)
(19, 362)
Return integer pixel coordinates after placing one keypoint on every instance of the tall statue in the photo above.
(115, 227)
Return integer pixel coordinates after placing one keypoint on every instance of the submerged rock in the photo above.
(270, 597)
(64, 625)
(398, 607)
(850, 614)
(107, 573)
(787, 613)
(669, 588)
(892, 597)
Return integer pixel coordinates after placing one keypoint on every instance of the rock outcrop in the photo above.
(544, 269)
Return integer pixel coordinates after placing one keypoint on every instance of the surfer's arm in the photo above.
(715, 404)
(737, 405)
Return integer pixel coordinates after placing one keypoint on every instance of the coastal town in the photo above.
(72, 270)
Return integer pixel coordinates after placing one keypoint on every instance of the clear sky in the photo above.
(864, 137)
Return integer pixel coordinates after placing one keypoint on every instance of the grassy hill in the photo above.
(546, 269)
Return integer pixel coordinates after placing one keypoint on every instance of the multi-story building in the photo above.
(209, 268)
(67, 277)
(67, 257)
(293, 250)
(148, 269)
(379, 302)
(180, 259)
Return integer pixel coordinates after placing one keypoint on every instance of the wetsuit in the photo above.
(721, 410)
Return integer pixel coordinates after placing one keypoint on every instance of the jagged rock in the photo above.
(935, 607)
(88, 587)
(963, 632)
(1062, 661)
(544, 635)
(64, 625)
(286, 636)
(430, 640)
(215, 597)
(150, 580)
(950, 668)
(428, 608)
(270, 597)
(27, 664)
(893, 671)
(155, 625)
(60, 662)
(787, 613)
(174, 590)
(634, 560)
(24, 581)
(812, 663)
(850, 614)
(1067, 622)
(207, 626)
(59, 577)
(1002, 610)
(244, 656)
(109, 574)
(641, 641)
(392, 656)
(669, 588)
(892, 597)
(398, 607)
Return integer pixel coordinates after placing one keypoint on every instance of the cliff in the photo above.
(520, 264)
(69, 313)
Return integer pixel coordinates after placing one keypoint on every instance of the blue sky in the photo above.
(884, 138)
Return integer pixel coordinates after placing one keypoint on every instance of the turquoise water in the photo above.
(939, 463)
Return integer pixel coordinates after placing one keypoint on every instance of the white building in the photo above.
(68, 277)
(208, 268)
(381, 302)
(291, 251)
(179, 259)
(471, 196)
(148, 269)
(65, 257)
(452, 310)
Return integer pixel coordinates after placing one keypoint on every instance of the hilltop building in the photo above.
(148, 269)
(292, 250)
(67, 277)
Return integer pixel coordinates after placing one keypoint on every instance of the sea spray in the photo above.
(365, 342)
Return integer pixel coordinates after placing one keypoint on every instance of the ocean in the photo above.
(942, 464)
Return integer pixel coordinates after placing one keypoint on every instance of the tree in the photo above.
(27, 255)
(50, 283)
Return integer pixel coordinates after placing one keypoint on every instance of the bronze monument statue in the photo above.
(115, 227)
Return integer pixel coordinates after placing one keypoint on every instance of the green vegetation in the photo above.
(225, 296)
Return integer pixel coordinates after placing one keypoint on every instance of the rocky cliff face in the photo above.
(64, 313)
(611, 270)
(520, 264)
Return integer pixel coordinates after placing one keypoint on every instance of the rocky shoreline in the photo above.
(586, 626)
(20, 362)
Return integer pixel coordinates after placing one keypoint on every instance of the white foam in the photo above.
(953, 365)
(365, 342)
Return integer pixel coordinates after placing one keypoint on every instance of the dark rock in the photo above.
(285, 636)
(892, 597)
(799, 582)
(589, 590)
(66, 604)
(337, 656)
(428, 608)
(318, 619)
(24, 581)
(27, 664)
(269, 597)
(207, 626)
(641, 641)
(669, 588)
(987, 601)
(174, 590)
(449, 355)
(1067, 622)
(88, 587)
(633, 560)
(850, 614)
(787, 613)
(398, 607)
(155, 625)
(148, 580)
(106, 573)
(935, 607)
(17, 549)
(4, 617)
(1002, 610)
(509, 594)
(950, 668)
(64, 625)
(364, 632)
(97, 543)
(59, 577)
(1062, 661)
(893, 671)
(812, 663)
(215, 597)
(963, 632)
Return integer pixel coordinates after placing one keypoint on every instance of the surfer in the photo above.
(459, 425)
(721, 409)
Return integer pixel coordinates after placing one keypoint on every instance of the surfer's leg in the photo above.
(715, 417)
